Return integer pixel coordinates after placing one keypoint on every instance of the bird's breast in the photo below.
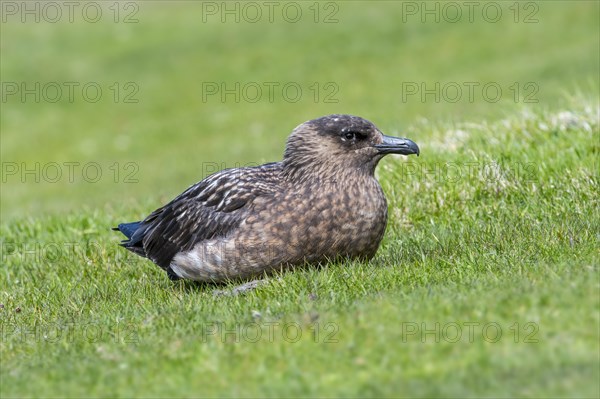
(334, 218)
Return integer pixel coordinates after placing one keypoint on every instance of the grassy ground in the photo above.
(486, 283)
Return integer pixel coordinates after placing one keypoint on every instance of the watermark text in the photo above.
(53, 92)
(469, 91)
(54, 332)
(252, 92)
(290, 332)
(69, 172)
(270, 11)
(470, 11)
(469, 332)
(69, 11)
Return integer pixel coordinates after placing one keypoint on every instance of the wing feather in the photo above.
(209, 209)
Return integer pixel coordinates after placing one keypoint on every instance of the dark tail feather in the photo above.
(134, 244)
(128, 228)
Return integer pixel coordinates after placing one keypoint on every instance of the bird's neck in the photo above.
(323, 173)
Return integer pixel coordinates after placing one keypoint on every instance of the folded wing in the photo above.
(209, 209)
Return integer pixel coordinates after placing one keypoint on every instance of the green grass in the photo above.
(495, 228)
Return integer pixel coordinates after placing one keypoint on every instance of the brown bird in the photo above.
(322, 202)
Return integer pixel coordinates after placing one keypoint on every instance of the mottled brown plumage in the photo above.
(322, 202)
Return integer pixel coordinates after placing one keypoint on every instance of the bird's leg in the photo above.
(241, 289)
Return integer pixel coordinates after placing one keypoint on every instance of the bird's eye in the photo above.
(349, 135)
(353, 135)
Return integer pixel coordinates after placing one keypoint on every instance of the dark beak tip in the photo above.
(396, 145)
(417, 150)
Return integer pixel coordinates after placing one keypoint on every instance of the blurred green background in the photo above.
(155, 129)
(518, 247)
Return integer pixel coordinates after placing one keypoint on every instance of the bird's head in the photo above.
(336, 144)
